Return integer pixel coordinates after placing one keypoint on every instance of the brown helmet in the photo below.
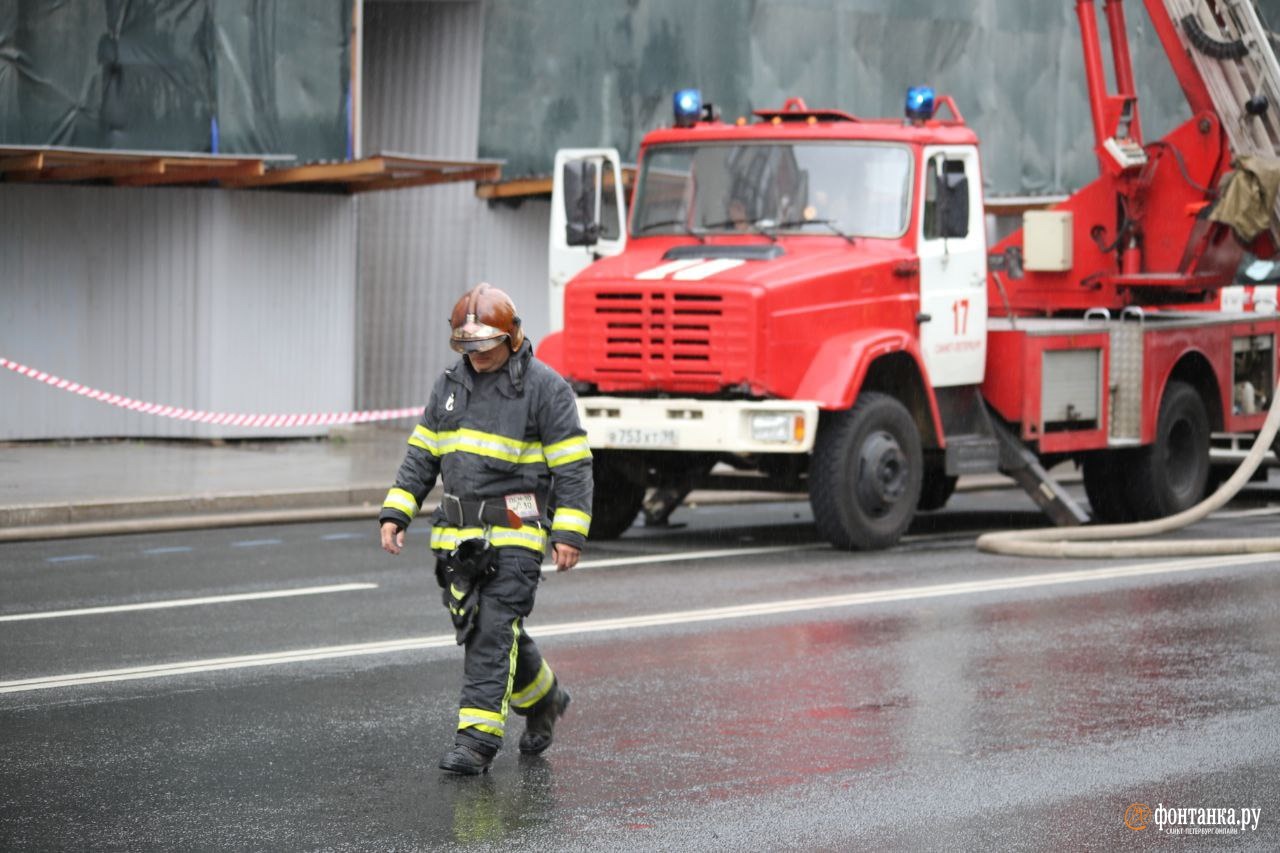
(482, 319)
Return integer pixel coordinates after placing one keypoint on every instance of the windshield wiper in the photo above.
(830, 223)
(757, 226)
(684, 228)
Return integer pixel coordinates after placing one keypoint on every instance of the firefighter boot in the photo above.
(465, 760)
(541, 724)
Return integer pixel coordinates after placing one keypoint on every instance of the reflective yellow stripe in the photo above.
(403, 501)
(457, 593)
(448, 538)
(426, 439)
(490, 444)
(511, 664)
(569, 450)
(533, 538)
(529, 696)
(571, 519)
(479, 718)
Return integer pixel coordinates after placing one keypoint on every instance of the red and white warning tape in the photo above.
(218, 418)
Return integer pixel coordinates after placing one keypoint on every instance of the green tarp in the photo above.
(232, 76)
(563, 73)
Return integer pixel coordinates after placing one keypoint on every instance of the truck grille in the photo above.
(671, 338)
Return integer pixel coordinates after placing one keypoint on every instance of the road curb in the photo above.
(130, 509)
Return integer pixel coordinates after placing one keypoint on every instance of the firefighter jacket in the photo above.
(500, 436)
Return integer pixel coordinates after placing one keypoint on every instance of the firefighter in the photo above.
(501, 431)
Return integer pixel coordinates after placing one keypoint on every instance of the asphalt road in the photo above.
(736, 685)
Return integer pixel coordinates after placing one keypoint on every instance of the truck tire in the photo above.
(1103, 474)
(1169, 475)
(616, 499)
(864, 481)
(936, 488)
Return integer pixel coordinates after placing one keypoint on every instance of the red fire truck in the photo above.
(810, 295)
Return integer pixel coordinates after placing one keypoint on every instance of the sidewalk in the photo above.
(89, 488)
(103, 483)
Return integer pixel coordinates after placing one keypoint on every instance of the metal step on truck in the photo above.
(809, 295)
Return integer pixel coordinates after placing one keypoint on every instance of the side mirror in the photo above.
(953, 202)
(581, 213)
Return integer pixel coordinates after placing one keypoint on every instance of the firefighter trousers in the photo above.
(503, 669)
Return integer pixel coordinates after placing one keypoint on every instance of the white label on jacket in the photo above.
(524, 505)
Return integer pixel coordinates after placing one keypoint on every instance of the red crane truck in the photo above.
(811, 295)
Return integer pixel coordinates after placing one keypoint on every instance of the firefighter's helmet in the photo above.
(484, 318)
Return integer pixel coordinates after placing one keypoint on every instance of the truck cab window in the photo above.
(946, 199)
(861, 189)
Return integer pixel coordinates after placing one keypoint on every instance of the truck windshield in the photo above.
(858, 189)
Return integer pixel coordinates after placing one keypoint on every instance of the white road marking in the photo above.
(680, 557)
(177, 549)
(331, 537)
(680, 617)
(71, 558)
(614, 562)
(187, 602)
(254, 543)
(1248, 513)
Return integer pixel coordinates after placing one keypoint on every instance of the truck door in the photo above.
(953, 272)
(588, 217)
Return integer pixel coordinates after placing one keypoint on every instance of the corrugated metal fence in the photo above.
(216, 300)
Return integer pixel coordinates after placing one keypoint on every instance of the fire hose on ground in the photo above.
(1102, 540)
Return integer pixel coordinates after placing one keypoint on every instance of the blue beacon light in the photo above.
(919, 103)
(687, 105)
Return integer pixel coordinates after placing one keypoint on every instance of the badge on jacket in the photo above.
(448, 404)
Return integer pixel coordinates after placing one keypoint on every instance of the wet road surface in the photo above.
(735, 683)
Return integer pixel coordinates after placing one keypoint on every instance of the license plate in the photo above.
(656, 438)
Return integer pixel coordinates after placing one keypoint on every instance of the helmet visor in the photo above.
(463, 345)
(473, 336)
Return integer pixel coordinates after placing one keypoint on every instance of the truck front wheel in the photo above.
(1169, 475)
(617, 496)
(864, 481)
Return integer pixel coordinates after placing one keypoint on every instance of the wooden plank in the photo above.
(390, 182)
(25, 163)
(396, 162)
(317, 173)
(103, 169)
(182, 172)
(541, 186)
(518, 188)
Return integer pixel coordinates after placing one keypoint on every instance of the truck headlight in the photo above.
(776, 427)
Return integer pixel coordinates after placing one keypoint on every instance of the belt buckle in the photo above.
(452, 506)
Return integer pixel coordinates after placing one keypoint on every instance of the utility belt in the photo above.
(515, 511)
(509, 521)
